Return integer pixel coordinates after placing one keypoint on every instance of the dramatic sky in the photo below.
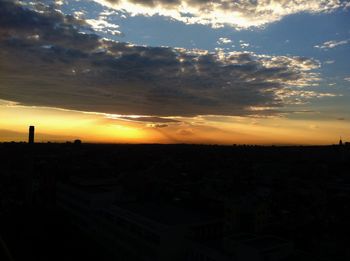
(176, 71)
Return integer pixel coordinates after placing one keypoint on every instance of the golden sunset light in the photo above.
(60, 125)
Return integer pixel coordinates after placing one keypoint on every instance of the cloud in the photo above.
(244, 44)
(103, 26)
(46, 60)
(185, 132)
(224, 40)
(236, 13)
(158, 125)
(331, 44)
(102, 23)
(148, 119)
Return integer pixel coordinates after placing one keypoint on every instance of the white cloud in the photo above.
(102, 25)
(244, 44)
(331, 44)
(59, 2)
(236, 13)
(224, 40)
(79, 14)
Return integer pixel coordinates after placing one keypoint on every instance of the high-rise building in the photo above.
(31, 134)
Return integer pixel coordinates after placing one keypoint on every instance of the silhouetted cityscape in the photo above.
(76, 201)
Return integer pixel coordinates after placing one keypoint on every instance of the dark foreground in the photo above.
(174, 202)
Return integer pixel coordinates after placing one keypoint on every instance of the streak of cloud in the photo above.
(331, 44)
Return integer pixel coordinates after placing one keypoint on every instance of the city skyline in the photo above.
(168, 72)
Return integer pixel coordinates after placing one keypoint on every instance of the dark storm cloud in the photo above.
(47, 61)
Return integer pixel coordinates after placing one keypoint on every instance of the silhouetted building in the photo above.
(77, 142)
(340, 142)
(31, 134)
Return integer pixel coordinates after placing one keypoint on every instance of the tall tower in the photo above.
(31, 135)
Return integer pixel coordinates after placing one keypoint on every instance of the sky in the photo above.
(176, 71)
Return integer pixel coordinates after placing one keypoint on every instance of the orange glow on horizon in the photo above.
(59, 125)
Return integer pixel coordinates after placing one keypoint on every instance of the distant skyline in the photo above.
(216, 71)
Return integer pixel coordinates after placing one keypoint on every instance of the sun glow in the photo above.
(60, 125)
